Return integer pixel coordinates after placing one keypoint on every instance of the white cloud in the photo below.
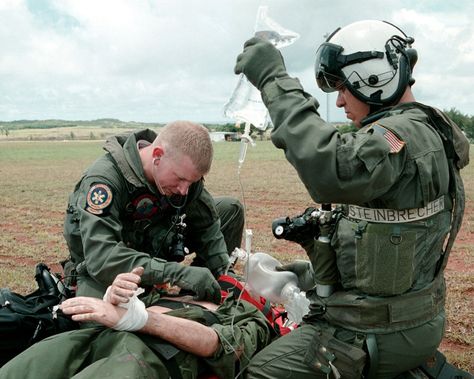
(445, 42)
(158, 60)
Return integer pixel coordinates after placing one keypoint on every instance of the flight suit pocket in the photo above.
(385, 255)
(329, 355)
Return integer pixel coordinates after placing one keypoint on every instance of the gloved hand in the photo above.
(260, 62)
(303, 270)
(197, 279)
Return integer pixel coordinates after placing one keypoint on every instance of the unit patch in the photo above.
(98, 198)
(396, 144)
(145, 206)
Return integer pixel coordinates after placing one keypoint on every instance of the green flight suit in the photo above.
(390, 297)
(107, 353)
(116, 220)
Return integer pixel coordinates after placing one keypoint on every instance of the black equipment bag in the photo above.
(25, 320)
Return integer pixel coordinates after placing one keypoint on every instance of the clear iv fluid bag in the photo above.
(245, 103)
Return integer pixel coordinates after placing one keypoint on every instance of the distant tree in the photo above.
(228, 128)
(347, 128)
(72, 136)
(465, 122)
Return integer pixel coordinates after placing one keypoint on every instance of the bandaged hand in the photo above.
(90, 309)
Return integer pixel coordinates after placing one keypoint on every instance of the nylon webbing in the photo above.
(457, 214)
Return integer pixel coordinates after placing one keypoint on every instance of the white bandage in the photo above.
(136, 316)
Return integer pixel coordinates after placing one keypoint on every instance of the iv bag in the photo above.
(245, 103)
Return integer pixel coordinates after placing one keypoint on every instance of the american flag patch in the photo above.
(396, 144)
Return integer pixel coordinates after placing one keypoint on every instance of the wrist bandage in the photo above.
(136, 316)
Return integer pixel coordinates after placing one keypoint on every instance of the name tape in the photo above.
(396, 216)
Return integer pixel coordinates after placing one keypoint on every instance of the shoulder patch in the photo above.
(396, 144)
(98, 198)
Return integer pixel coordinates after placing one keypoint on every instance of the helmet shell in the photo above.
(369, 58)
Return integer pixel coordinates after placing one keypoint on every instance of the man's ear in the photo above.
(157, 153)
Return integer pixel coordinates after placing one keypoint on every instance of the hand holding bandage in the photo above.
(126, 312)
(123, 287)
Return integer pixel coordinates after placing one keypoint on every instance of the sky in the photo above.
(163, 60)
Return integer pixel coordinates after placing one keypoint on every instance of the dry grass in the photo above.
(36, 178)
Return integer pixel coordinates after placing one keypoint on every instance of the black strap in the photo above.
(437, 367)
(456, 187)
(440, 123)
(176, 304)
(234, 290)
(166, 351)
(163, 348)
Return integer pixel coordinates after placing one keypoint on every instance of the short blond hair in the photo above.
(190, 139)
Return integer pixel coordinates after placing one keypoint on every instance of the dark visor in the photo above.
(327, 69)
(330, 61)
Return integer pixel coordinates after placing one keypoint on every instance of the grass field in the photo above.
(36, 178)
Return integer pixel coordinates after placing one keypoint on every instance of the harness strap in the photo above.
(381, 314)
(166, 351)
(373, 351)
(457, 213)
(176, 304)
(230, 285)
(456, 146)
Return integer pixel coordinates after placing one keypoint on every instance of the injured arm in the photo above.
(187, 335)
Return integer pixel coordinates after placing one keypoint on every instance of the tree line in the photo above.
(465, 122)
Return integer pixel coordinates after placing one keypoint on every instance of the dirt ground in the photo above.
(458, 341)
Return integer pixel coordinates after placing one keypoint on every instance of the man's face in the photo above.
(174, 175)
(355, 109)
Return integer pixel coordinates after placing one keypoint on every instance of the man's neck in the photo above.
(147, 162)
(407, 96)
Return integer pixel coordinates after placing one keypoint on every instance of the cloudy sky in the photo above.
(161, 60)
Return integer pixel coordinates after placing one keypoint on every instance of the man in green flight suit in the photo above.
(378, 309)
(143, 203)
(175, 337)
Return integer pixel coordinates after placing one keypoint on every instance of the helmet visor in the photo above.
(329, 76)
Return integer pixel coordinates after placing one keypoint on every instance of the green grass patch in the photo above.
(37, 177)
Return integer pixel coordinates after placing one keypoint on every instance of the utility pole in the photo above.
(325, 36)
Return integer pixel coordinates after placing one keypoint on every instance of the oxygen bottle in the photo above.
(323, 258)
(279, 287)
